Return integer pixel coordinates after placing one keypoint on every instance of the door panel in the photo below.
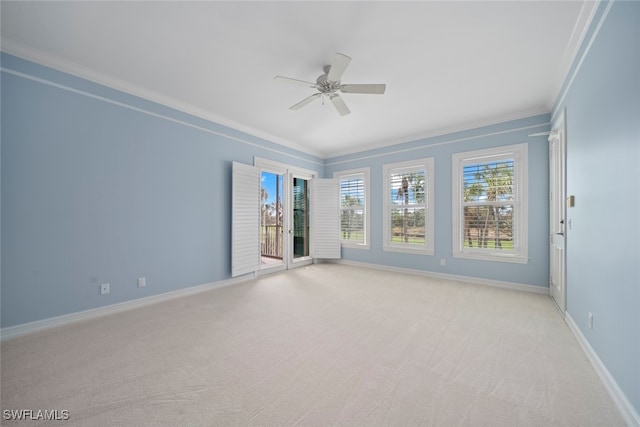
(272, 218)
(300, 217)
(557, 196)
(326, 223)
(245, 225)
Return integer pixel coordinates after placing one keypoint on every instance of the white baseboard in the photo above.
(628, 412)
(465, 279)
(39, 325)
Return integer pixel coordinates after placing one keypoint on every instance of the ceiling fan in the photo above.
(328, 84)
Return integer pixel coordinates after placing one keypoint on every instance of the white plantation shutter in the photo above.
(245, 223)
(326, 214)
(491, 192)
(352, 208)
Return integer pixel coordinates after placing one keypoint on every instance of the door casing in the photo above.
(289, 173)
(558, 213)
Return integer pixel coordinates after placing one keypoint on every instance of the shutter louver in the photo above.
(245, 213)
(352, 209)
(488, 206)
(326, 211)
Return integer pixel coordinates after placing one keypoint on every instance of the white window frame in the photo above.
(517, 152)
(365, 174)
(428, 247)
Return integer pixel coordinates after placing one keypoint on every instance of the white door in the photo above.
(557, 204)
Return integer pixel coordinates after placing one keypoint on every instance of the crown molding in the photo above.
(536, 111)
(94, 76)
(578, 34)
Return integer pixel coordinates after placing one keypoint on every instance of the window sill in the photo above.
(408, 250)
(355, 245)
(516, 259)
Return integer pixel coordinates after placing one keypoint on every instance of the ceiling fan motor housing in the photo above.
(327, 87)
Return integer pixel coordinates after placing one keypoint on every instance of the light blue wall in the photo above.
(603, 153)
(535, 272)
(101, 186)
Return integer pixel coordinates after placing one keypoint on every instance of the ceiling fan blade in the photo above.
(364, 88)
(305, 101)
(338, 102)
(294, 81)
(338, 66)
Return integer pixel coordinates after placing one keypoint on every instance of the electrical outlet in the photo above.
(142, 282)
(590, 320)
(443, 262)
(104, 288)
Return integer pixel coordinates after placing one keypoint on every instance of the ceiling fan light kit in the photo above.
(328, 84)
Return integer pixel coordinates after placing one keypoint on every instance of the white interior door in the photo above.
(557, 202)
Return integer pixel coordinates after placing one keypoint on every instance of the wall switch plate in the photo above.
(104, 288)
(590, 320)
(142, 282)
(571, 201)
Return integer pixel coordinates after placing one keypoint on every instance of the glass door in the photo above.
(285, 218)
(300, 218)
(272, 220)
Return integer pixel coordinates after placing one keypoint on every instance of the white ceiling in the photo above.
(447, 65)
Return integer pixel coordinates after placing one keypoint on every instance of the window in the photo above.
(408, 206)
(490, 204)
(354, 207)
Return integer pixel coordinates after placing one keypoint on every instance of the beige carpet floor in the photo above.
(324, 345)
